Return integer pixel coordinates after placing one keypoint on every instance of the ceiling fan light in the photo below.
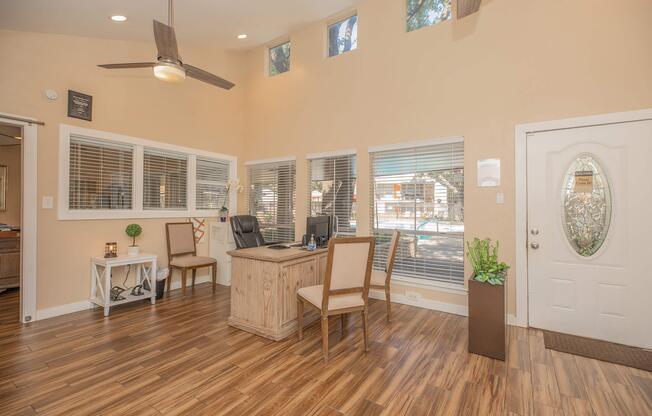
(169, 72)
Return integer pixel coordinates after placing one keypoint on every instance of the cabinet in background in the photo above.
(220, 242)
(9, 260)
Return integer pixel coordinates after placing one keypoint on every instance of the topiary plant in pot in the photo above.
(133, 231)
(486, 299)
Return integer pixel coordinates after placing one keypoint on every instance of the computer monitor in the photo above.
(320, 227)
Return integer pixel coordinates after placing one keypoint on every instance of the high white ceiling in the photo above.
(197, 22)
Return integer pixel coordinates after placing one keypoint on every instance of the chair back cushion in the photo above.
(348, 270)
(181, 238)
(246, 231)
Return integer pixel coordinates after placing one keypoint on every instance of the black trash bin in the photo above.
(160, 288)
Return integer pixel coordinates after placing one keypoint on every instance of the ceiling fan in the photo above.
(169, 66)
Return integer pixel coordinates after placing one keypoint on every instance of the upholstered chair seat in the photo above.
(315, 295)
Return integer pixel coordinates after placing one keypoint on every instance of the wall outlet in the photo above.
(412, 295)
(48, 202)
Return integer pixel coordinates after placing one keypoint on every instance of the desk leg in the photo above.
(107, 290)
(153, 281)
(93, 281)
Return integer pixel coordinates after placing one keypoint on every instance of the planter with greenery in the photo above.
(486, 299)
(133, 231)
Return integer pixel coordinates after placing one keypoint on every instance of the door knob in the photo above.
(534, 245)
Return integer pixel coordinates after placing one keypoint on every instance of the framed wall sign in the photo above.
(3, 188)
(80, 105)
(488, 172)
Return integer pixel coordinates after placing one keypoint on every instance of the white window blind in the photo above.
(332, 190)
(100, 175)
(420, 191)
(270, 198)
(165, 179)
(212, 182)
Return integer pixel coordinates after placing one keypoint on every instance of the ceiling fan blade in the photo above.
(467, 7)
(166, 41)
(207, 77)
(128, 65)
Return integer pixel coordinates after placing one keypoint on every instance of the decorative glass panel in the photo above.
(586, 213)
(343, 36)
(422, 13)
(279, 59)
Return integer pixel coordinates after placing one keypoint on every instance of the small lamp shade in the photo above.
(110, 250)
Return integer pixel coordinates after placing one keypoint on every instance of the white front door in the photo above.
(590, 232)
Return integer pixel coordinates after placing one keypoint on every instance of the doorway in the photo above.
(18, 259)
(10, 220)
(585, 229)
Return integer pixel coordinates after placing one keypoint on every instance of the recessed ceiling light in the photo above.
(118, 18)
(242, 36)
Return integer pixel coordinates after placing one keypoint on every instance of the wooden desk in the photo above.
(264, 285)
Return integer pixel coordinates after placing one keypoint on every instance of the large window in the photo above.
(279, 59)
(420, 191)
(333, 190)
(212, 183)
(101, 175)
(165, 177)
(422, 13)
(104, 176)
(343, 36)
(270, 198)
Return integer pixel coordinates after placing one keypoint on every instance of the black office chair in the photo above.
(246, 231)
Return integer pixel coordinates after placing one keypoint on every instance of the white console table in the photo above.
(101, 279)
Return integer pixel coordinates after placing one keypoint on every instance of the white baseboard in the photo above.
(423, 303)
(62, 310)
(461, 310)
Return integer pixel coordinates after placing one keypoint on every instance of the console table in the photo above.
(264, 285)
(101, 279)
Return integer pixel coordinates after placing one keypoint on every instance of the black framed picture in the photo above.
(80, 105)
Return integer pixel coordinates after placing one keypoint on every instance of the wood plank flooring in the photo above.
(180, 357)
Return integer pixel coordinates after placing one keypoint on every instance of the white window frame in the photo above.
(456, 288)
(137, 211)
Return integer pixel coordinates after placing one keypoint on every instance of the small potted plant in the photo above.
(486, 299)
(224, 213)
(133, 231)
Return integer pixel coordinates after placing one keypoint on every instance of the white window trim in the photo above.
(66, 214)
(335, 153)
(274, 160)
(418, 143)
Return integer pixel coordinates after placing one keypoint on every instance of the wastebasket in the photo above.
(161, 275)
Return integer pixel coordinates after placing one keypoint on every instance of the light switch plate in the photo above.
(48, 202)
(500, 198)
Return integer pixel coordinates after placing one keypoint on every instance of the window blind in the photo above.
(332, 190)
(270, 198)
(212, 182)
(165, 179)
(100, 175)
(420, 191)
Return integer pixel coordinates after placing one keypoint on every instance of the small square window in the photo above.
(422, 13)
(343, 36)
(279, 59)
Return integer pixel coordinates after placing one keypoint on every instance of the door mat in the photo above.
(600, 350)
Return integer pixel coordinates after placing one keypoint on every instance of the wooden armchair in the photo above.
(382, 279)
(182, 254)
(345, 288)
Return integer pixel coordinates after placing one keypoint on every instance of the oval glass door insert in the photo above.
(586, 210)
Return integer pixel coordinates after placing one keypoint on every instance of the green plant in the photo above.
(483, 255)
(133, 231)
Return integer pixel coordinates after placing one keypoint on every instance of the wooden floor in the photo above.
(180, 357)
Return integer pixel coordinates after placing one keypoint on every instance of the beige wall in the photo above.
(10, 156)
(129, 102)
(514, 62)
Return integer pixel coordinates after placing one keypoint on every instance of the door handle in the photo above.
(534, 245)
